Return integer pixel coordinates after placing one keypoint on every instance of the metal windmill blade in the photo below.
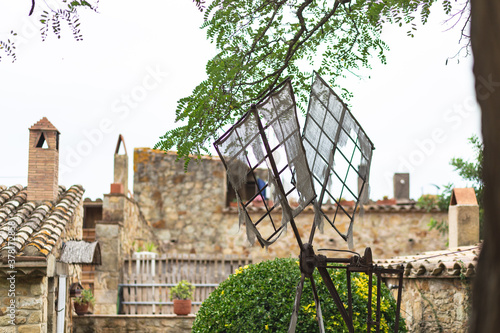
(339, 154)
(248, 146)
(251, 145)
(321, 161)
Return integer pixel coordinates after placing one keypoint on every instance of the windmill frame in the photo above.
(246, 146)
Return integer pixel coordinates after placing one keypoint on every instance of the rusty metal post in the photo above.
(398, 303)
(349, 293)
(336, 298)
(379, 290)
(370, 285)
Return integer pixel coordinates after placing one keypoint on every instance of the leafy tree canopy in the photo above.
(470, 171)
(260, 43)
(51, 14)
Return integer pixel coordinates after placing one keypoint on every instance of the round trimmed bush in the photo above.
(259, 298)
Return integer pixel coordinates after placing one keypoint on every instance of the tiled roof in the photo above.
(37, 226)
(44, 124)
(452, 263)
(370, 208)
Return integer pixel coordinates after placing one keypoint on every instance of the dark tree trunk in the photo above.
(485, 38)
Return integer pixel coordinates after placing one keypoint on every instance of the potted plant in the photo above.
(181, 294)
(81, 303)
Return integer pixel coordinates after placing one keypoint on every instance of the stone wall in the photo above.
(73, 230)
(184, 207)
(188, 211)
(133, 323)
(107, 275)
(36, 285)
(122, 226)
(31, 306)
(435, 305)
(389, 234)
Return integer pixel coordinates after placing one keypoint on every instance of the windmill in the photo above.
(330, 159)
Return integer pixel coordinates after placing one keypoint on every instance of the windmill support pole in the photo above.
(379, 291)
(336, 298)
(400, 291)
(349, 292)
(369, 319)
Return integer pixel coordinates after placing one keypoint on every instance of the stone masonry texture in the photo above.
(121, 229)
(188, 211)
(436, 305)
(133, 323)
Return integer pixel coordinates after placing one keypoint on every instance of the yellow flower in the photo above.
(267, 327)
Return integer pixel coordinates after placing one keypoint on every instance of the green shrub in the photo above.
(259, 298)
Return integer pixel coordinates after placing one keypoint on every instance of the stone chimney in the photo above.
(121, 166)
(43, 161)
(401, 187)
(463, 218)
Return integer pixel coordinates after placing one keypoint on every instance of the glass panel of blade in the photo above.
(339, 155)
(266, 165)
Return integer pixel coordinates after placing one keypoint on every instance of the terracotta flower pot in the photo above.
(182, 307)
(81, 309)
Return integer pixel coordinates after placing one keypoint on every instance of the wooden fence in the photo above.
(148, 277)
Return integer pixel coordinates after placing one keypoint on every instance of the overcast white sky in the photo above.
(137, 60)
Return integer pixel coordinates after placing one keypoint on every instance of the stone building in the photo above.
(191, 213)
(35, 223)
(437, 285)
(119, 226)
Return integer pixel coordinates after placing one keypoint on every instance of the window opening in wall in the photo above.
(42, 143)
(250, 188)
(91, 214)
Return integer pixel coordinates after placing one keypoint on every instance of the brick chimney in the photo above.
(401, 187)
(463, 218)
(121, 166)
(43, 162)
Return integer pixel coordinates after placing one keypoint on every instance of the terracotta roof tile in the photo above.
(37, 226)
(441, 264)
(44, 124)
(409, 207)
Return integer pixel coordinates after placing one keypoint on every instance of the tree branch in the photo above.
(32, 7)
